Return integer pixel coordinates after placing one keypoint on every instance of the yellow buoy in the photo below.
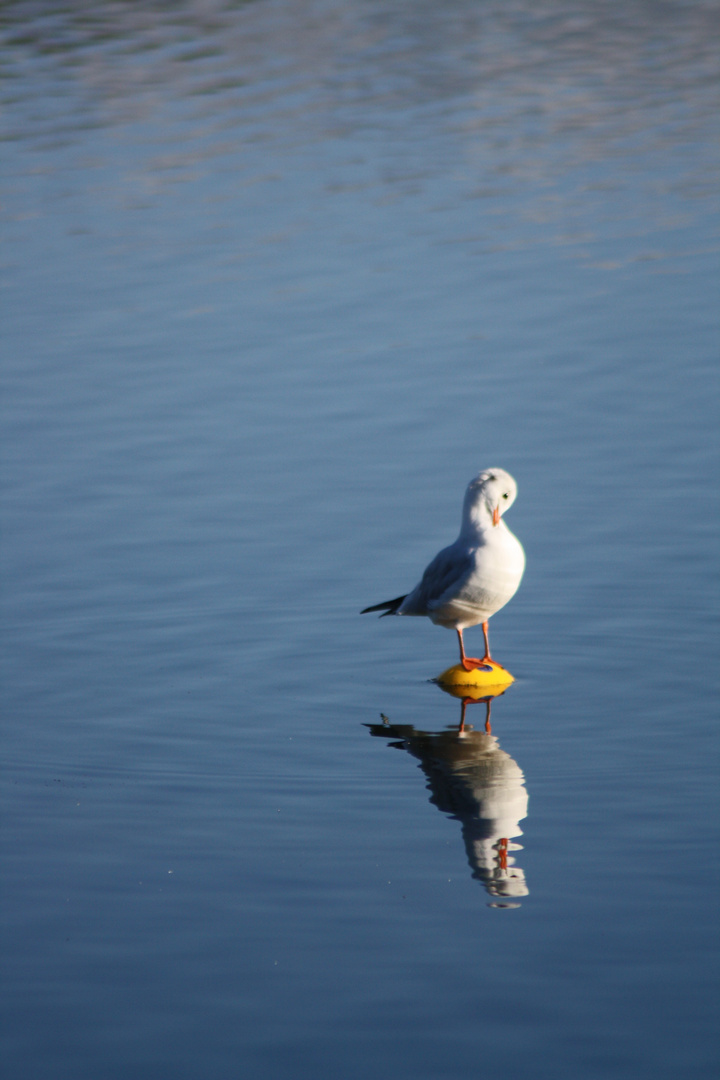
(489, 678)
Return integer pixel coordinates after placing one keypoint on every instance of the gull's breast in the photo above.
(497, 573)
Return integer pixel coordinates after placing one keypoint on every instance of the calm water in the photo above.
(279, 279)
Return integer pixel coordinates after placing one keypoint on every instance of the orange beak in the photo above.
(496, 516)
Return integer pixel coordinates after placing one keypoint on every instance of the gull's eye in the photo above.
(506, 495)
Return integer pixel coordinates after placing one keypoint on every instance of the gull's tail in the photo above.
(388, 607)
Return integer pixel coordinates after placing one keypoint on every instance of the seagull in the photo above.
(473, 578)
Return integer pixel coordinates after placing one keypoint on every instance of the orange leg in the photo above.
(487, 655)
(469, 662)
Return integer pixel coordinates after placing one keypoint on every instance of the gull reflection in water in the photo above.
(471, 778)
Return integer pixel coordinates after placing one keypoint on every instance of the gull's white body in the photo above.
(473, 578)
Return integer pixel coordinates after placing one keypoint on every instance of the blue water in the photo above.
(279, 279)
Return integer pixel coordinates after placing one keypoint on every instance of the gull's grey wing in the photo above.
(442, 580)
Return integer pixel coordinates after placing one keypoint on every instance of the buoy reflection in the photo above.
(474, 780)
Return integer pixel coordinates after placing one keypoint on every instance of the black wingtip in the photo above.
(388, 607)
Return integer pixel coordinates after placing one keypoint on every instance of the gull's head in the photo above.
(491, 492)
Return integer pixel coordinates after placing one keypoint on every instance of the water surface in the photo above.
(279, 279)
